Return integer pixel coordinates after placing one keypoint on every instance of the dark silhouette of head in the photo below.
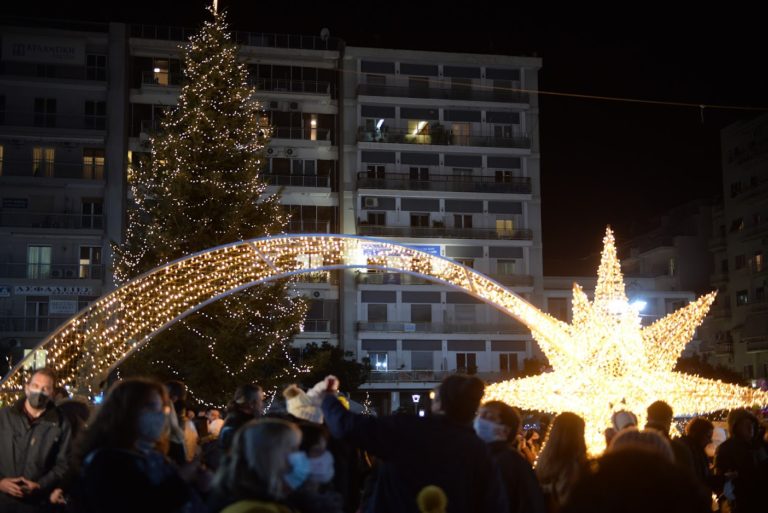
(700, 430)
(459, 396)
(660, 416)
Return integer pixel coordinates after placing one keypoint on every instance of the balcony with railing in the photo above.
(308, 227)
(442, 327)
(445, 92)
(278, 85)
(390, 279)
(717, 242)
(150, 126)
(30, 324)
(52, 169)
(509, 280)
(259, 39)
(754, 231)
(754, 346)
(53, 71)
(723, 348)
(55, 220)
(430, 376)
(445, 182)
(39, 271)
(513, 280)
(319, 277)
(441, 138)
(298, 180)
(307, 134)
(161, 79)
(316, 326)
(49, 120)
(719, 311)
(441, 232)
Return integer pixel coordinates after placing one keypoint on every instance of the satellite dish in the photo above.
(325, 34)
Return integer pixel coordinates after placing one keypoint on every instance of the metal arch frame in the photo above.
(406, 251)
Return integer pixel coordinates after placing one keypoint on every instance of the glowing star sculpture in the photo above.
(606, 361)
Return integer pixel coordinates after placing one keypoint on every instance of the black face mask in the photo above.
(38, 400)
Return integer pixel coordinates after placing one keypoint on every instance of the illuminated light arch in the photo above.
(100, 337)
(605, 360)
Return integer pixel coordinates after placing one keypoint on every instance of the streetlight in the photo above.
(415, 398)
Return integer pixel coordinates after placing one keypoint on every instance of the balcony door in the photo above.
(38, 262)
(461, 133)
(466, 363)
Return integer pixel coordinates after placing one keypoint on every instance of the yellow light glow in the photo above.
(606, 361)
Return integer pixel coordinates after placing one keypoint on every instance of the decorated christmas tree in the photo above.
(201, 187)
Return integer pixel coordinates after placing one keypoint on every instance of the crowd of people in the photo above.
(144, 449)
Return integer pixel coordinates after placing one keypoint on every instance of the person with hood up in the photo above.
(738, 460)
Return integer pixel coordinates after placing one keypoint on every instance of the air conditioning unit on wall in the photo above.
(370, 202)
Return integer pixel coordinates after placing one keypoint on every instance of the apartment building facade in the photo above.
(441, 153)
(438, 151)
(738, 327)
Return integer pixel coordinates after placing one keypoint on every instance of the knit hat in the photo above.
(306, 405)
(623, 419)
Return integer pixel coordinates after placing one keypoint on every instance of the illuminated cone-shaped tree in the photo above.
(201, 187)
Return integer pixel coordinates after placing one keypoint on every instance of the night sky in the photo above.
(603, 162)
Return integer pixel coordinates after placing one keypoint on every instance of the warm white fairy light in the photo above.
(606, 361)
(97, 339)
(202, 187)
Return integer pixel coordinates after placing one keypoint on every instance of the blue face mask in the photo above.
(488, 431)
(321, 468)
(151, 426)
(300, 469)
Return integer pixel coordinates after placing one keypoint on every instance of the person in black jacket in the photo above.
(120, 468)
(742, 464)
(34, 440)
(498, 425)
(698, 434)
(414, 452)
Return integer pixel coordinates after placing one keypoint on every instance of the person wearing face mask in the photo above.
(119, 467)
(34, 440)
(342, 460)
(498, 425)
(315, 494)
(261, 470)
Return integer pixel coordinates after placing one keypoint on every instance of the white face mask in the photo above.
(489, 431)
(321, 468)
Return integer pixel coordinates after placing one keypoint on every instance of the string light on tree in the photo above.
(201, 187)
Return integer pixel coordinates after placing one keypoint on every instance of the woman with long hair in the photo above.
(119, 465)
(260, 470)
(563, 458)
